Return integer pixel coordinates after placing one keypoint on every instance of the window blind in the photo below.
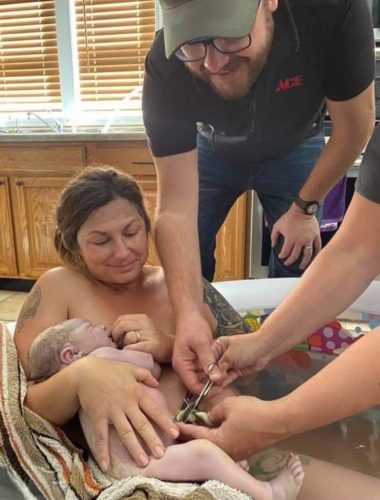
(29, 73)
(113, 40)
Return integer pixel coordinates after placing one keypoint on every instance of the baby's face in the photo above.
(89, 337)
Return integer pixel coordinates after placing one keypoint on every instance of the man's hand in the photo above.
(301, 235)
(244, 425)
(193, 356)
(115, 393)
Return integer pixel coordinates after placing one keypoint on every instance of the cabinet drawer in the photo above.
(65, 158)
(133, 157)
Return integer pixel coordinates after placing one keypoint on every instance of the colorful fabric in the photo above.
(41, 460)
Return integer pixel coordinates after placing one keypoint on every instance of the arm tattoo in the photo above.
(229, 321)
(29, 308)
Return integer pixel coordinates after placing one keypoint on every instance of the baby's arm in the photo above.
(138, 358)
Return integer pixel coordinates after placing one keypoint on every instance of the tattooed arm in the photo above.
(228, 320)
(45, 306)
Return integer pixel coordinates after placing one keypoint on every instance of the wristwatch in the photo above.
(309, 207)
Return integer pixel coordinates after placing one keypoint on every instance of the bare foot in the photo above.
(288, 483)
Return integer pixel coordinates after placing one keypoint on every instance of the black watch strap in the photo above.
(308, 207)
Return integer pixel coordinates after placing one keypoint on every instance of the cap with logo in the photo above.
(188, 20)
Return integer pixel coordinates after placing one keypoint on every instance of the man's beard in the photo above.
(248, 75)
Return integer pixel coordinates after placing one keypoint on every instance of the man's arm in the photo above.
(176, 232)
(176, 229)
(352, 125)
(353, 121)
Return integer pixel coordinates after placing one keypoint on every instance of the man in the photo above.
(234, 98)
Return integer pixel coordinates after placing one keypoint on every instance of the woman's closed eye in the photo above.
(129, 234)
(100, 242)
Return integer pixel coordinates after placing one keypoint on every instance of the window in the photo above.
(80, 59)
(29, 75)
(113, 40)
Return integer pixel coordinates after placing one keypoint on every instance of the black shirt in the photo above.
(321, 48)
(368, 183)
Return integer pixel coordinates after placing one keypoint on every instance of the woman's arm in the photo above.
(46, 305)
(348, 385)
(39, 396)
(341, 272)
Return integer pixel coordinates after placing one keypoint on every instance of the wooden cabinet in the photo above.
(34, 201)
(32, 177)
(31, 180)
(230, 244)
(8, 265)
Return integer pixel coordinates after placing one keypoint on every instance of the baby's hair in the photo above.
(44, 356)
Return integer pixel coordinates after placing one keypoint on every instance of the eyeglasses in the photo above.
(197, 50)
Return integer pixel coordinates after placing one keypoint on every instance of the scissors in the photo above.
(193, 405)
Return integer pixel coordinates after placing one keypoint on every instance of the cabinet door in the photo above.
(8, 265)
(148, 185)
(230, 244)
(34, 201)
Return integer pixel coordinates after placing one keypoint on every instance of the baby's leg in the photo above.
(201, 460)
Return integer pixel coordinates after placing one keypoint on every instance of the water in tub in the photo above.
(353, 442)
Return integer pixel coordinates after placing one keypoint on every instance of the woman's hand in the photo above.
(139, 333)
(238, 356)
(244, 425)
(114, 393)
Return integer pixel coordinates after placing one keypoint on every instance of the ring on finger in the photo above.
(138, 335)
(308, 247)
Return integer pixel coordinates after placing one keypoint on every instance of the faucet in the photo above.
(57, 126)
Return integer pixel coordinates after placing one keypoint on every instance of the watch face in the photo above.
(312, 208)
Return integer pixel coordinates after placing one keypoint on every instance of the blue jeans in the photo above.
(276, 182)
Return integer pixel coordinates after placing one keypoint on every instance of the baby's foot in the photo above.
(288, 483)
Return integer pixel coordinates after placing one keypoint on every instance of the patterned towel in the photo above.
(41, 460)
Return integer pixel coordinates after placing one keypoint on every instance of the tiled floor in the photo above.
(10, 304)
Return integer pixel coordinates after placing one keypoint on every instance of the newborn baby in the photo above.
(197, 460)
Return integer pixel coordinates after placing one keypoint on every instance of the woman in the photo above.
(349, 384)
(102, 237)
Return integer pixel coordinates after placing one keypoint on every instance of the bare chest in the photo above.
(104, 307)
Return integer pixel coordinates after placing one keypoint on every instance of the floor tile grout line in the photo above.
(8, 297)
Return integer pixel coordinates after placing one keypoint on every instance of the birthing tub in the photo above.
(353, 442)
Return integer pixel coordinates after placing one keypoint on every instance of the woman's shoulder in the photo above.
(60, 276)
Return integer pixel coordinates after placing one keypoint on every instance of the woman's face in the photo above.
(113, 242)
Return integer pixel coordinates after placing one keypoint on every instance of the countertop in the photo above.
(137, 134)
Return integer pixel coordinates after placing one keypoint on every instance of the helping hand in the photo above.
(301, 236)
(139, 333)
(244, 426)
(193, 355)
(114, 393)
(239, 356)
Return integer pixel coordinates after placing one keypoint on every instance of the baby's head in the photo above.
(64, 343)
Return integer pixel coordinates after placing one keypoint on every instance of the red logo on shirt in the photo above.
(289, 83)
